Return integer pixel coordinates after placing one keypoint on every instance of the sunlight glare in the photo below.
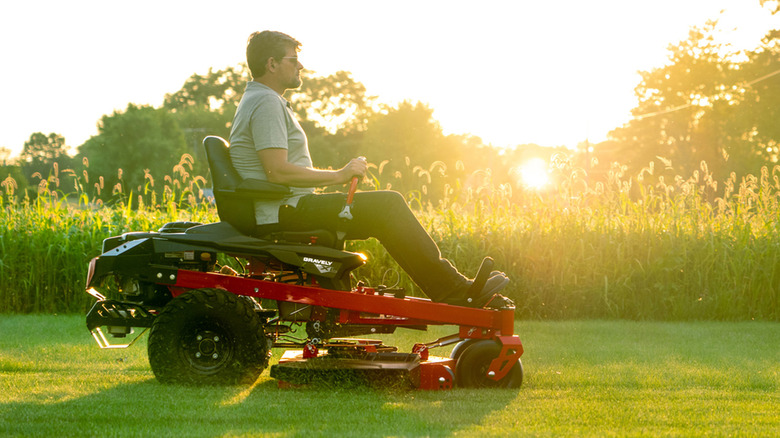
(533, 174)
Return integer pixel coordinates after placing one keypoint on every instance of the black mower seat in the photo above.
(235, 198)
(313, 237)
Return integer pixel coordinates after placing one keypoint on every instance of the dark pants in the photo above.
(385, 216)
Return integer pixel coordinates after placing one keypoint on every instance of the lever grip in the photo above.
(352, 189)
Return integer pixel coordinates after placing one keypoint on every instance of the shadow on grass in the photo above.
(148, 408)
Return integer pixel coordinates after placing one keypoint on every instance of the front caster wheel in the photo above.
(471, 369)
(460, 347)
(208, 336)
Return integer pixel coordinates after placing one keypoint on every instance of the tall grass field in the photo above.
(582, 378)
(638, 248)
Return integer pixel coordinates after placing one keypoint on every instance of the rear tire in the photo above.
(472, 367)
(208, 337)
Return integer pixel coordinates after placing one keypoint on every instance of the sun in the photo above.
(534, 174)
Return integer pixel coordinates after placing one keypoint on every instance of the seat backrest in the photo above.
(223, 173)
(238, 212)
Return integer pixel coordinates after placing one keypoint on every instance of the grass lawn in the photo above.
(583, 378)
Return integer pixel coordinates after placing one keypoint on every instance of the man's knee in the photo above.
(380, 199)
(381, 205)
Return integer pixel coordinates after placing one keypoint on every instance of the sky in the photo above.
(510, 72)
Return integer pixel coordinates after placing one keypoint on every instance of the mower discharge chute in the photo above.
(207, 326)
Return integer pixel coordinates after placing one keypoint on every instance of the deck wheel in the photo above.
(471, 368)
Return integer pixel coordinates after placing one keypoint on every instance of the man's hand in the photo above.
(355, 167)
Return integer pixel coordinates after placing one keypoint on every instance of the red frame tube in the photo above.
(395, 311)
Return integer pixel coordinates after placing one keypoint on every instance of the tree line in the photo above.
(709, 109)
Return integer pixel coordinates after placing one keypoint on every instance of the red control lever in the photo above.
(346, 213)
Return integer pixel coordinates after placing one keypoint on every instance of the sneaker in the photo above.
(494, 273)
(478, 299)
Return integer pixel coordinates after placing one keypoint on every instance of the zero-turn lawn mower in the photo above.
(208, 326)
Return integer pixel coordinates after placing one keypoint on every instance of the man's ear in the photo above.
(270, 64)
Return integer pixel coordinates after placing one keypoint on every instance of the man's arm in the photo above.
(278, 170)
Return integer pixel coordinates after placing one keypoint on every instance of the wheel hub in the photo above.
(207, 346)
(208, 351)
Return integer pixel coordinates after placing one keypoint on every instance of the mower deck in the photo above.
(364, 362)
(392, 369)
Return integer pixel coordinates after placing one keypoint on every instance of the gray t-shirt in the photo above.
(264, 120)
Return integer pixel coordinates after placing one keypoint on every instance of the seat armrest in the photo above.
(257, 189)
(263, 186)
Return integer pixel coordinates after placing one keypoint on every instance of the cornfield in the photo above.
(637, 247)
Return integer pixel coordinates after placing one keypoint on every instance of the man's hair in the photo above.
(264, 45)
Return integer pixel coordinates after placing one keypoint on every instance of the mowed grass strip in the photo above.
(583, 378)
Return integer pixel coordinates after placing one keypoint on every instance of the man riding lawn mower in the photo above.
(206, 322)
